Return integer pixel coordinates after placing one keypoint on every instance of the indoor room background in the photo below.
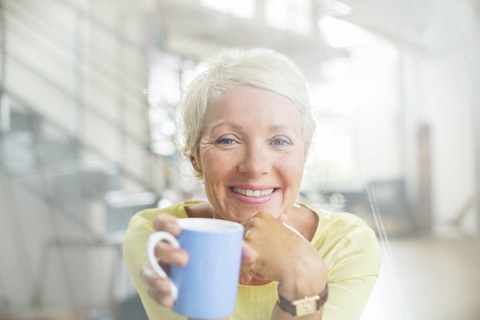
(88, 95)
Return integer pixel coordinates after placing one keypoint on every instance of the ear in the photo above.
(195, 165)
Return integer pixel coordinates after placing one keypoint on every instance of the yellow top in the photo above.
(346, 243)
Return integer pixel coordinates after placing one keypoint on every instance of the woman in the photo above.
(247, 127)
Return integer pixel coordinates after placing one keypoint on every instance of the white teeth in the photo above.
(253, 193)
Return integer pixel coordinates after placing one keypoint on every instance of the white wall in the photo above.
(440, 91)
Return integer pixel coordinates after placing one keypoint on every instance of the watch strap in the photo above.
(289, 307)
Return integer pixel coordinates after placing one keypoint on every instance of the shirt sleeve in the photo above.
(352, 277)
(134, 254)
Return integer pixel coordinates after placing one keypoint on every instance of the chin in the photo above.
(238, 215)
(249, 213)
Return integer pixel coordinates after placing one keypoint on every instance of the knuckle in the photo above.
(163, 285)
(255, 221)
(252, 273)
(246, 267)
(159, 297)
(250, 235)
(157, 222)
(160, 221)
(147, 274)
(261, 213)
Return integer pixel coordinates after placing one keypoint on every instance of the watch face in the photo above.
(306, 307)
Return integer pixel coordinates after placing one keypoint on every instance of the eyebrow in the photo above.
(225, 123)
(239, 127)
(281, 126)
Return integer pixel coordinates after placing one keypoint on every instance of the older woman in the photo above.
(247, 127)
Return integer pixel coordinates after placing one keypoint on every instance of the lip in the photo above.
(254, 200)
(251, 187)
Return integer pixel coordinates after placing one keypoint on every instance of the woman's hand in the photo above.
(158, 287)
(274, 251)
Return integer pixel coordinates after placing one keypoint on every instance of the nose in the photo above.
(256, 161)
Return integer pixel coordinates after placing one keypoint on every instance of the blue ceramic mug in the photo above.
(206, 288)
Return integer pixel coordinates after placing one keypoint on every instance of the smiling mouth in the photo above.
(253, 193)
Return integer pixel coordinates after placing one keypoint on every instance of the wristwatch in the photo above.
(304, 306)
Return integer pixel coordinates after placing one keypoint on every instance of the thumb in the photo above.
(248, 253)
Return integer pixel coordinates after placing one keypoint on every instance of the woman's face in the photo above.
(251, 153)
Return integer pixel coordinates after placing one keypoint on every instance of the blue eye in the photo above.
(280, 142)
(225, 141)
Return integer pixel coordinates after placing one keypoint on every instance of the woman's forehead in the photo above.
(241, 98)
(244, 105)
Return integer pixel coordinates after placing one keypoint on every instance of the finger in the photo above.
(246, 267)
(245, 223)
(163, 299)
(245, 276)
(166, 222)
(251, 222)
(148, 275)
(258, 276)
(167, 253)
(248, 254)
(154, 281)
(251, 273)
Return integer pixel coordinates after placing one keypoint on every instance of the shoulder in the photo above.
(344, 224)
(338, 226)
(351, 253)
(147, 216)
(344, 239)
(141, 224)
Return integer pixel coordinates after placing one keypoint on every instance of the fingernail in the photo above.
(179, 258)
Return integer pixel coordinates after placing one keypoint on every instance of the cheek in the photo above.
(216, 165)
(291, 169)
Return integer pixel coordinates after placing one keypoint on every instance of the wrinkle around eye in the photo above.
(207, 140)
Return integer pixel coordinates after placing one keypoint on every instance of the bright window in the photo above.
(357, 107)
(289, 15)
(239, 8)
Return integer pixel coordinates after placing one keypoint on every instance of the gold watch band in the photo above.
(305, 305)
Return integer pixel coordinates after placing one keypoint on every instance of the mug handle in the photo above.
(150, 249)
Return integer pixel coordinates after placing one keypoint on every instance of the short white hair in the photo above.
(261, 68)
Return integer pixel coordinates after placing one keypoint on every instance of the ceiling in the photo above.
(191, 30)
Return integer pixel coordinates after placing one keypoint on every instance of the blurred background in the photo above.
(88, 95)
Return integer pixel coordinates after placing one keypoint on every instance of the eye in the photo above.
(225, 141)
(280, 142)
